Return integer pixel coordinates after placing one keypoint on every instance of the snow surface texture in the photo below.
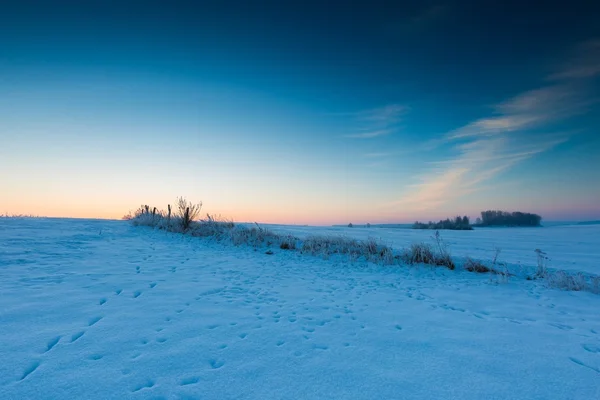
(104, 310)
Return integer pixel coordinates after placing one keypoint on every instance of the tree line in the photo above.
(504, 218)
(488, 218)
(459, 224)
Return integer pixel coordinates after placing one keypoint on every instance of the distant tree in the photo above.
(504, 218)
(350, 225)
(368, 225)
(457, 223)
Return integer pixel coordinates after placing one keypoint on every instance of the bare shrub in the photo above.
(443, 257)
(542, 264)
(146, 216)
(187, 212)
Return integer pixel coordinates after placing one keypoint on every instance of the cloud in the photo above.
(528, 110)
(585, 64)
(387, 115)
(377, 122)
(516, 131)
(370, 134)
(477, 162)
(377, 155)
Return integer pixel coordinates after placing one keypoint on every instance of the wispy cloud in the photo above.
(377, 155)
(377, 122)
(528, 110)
(585, 64)
(517, 130)
(370, 134)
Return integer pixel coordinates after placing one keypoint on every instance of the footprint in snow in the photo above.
(29, 370)
(53, 342)
(189, 381)
(144, 385)
(579, 362)
(215, 364)
(591, 348)
(76, 336)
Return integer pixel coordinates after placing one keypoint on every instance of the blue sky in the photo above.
(301, 113)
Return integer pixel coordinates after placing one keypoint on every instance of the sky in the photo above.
(301, 112)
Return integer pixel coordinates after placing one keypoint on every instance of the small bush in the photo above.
(288, 243)
(542, 264)
(423, 253)
(187, 212)
(595, 284)
(476, 266)
(566, 281)
(419, 253)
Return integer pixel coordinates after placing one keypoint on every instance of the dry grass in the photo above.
(423, 253)
(476, 266)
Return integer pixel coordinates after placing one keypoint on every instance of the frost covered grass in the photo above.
(185, 219)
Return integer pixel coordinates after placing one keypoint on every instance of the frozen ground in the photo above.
(102, 310)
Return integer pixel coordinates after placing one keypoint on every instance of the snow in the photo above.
(103, 310)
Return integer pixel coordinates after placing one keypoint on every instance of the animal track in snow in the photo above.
(95, 357)
(215, 364)
(118, 291)
(53, 342)
(94, 321)
(579, 362)
(152, 285)
(561, 326)
(144, 385)
(102, 301)
(76, 336)
(591, 348)
(189, 381)
(29, 370)
(136, 294)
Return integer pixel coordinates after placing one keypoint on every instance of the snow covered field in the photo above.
(103, 310)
